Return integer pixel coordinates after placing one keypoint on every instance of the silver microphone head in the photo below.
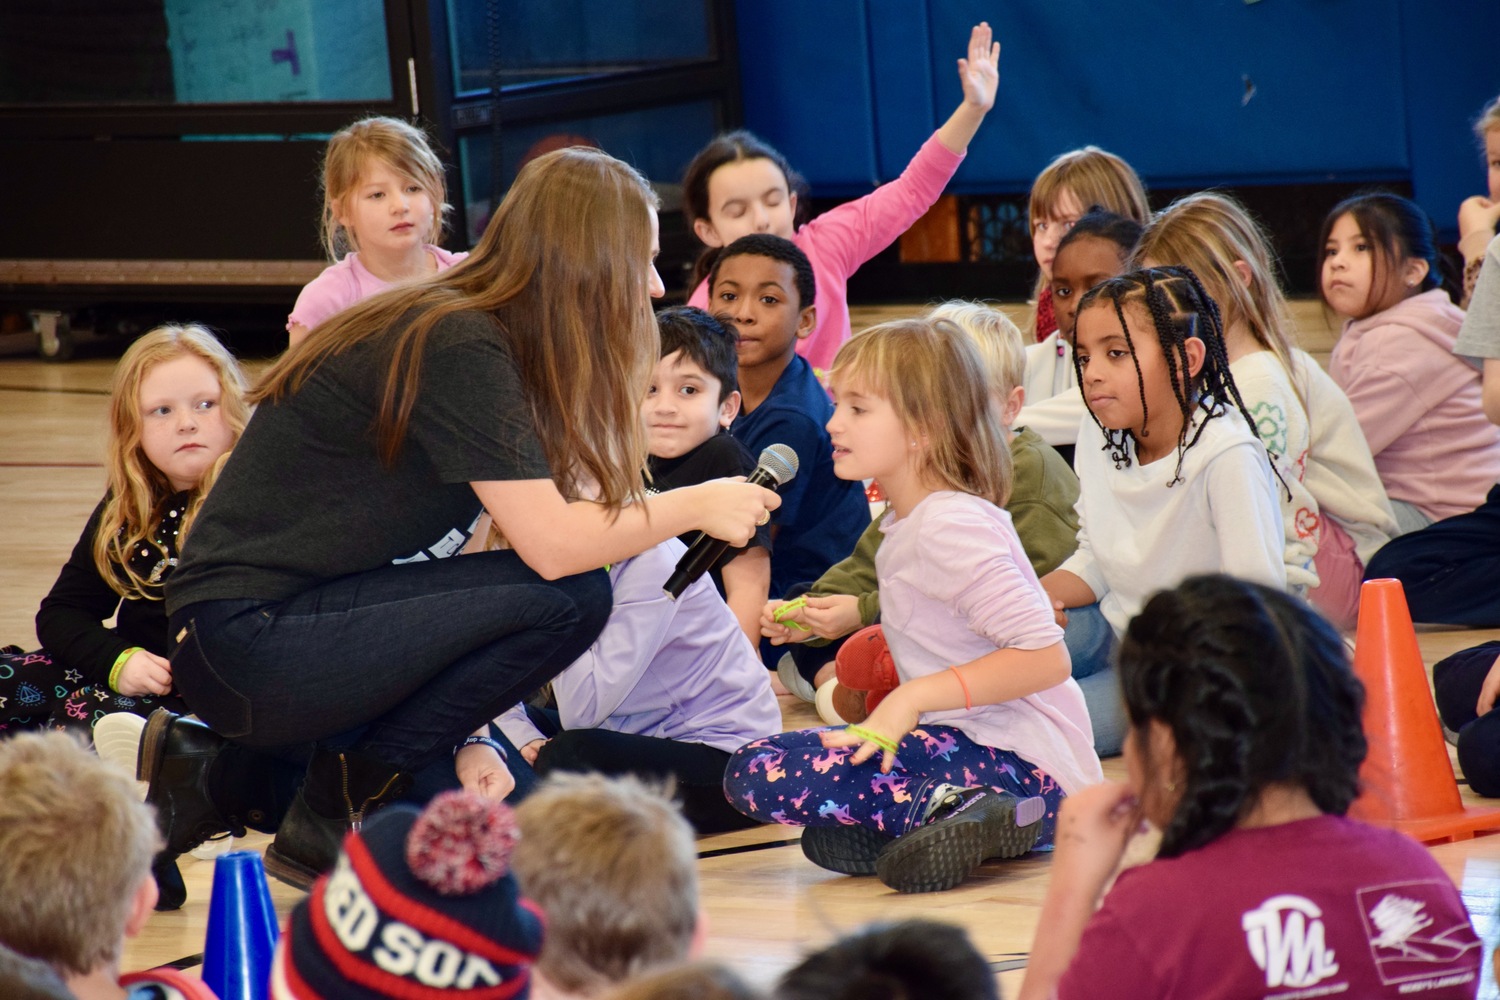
(780, 461)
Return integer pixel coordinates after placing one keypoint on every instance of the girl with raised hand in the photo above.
(317, 606)
(1173, 480)
(1244, 751)
(1419, 404)
(968, 758)
(385, 199)
(738, 185)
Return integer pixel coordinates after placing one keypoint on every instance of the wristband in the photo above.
(493, 744)
(786, 609)
(114, 671)
(870, 736)
(968, 701)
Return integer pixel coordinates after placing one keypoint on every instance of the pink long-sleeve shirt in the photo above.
(841, 239)
(1419, 405)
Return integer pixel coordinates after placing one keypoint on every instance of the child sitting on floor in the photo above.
(986, 732)
(612, 864)
(693, 398)
(1043, 492)
(75, 868)
(1244, 749)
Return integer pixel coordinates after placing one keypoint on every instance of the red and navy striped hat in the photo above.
(421, 906)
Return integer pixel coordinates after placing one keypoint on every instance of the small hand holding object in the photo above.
(145, 674)
(882, 730)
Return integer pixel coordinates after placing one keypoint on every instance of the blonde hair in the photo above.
(136, 487)
(400, 146)
(613, 865)
(1208, 233)
(1092, 176)
(997, 338)
(935, 379)
(562, 269)
(75, 845)
(1488, 120)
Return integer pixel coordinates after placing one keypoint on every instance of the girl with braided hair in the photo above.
(1244, 750)
(1173, 480)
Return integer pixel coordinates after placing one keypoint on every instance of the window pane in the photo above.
(658, 142)
(544, 40)
(191, 52)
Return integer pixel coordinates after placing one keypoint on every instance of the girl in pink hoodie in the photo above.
(1418, 403)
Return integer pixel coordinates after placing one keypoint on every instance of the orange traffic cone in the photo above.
(1407, 776)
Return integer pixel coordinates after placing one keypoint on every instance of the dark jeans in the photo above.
(695, 770)
(1456, 681)
(1450, 569)
(400, 662)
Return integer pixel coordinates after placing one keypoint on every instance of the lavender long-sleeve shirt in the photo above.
(677, 670)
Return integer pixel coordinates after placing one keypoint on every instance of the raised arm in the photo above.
(979, 74)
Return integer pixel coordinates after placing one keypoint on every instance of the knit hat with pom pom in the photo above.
(420, 905)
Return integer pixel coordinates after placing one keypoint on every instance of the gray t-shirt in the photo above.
(1479, 337)
(305, 497)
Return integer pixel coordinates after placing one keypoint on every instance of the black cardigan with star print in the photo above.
(71, 621)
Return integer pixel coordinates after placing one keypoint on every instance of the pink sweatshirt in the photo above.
(1419, 405)
(841, 239)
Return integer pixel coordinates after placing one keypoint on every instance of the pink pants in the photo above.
(1339, 573)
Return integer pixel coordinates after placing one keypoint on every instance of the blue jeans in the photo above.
(1091, 644)
(400, 662)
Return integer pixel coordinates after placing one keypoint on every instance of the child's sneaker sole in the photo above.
(848, 850)
(941, 854)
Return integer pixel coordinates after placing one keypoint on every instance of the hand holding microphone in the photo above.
(776, 467)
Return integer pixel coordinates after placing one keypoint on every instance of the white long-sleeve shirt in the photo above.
(1138, 536)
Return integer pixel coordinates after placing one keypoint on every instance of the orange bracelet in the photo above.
(968, 700)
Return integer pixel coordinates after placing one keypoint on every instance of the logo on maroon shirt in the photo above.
(1286, 938)
(1415, 933)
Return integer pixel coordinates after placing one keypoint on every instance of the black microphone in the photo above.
(777, 466)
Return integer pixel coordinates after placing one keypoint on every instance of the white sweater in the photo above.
(1341, 472)
(1281, 424)
(1054, 406)
(1138, 536)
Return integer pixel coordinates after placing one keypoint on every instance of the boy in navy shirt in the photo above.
(764, 285)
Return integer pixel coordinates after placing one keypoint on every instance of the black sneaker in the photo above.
(964, 828)
(848, 850)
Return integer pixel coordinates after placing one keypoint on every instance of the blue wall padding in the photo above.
(805, 77)
(1451, 68)
(1345, 90)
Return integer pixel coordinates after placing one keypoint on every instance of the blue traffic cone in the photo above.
(242, 929)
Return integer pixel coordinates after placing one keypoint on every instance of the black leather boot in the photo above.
(341, 790)
(177, 759)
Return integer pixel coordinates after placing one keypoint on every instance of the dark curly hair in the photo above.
(1257, 690)
(1179, 308)
(775, 248)
(900, 961)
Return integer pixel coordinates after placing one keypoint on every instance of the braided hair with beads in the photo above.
(1179, 309)
(1256, 689)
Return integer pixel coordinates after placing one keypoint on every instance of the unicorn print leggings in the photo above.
(792, 779)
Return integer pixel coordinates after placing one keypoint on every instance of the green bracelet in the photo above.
(870, 736)
(114, 671)
(788, 608)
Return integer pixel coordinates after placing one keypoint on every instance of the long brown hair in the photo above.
(136, 487)
(562, 269)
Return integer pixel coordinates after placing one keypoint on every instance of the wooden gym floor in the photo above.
(766, 905)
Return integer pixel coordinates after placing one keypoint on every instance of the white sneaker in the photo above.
(117, 739)
(824, 701)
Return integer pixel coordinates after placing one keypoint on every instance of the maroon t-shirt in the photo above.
(1321, 907)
